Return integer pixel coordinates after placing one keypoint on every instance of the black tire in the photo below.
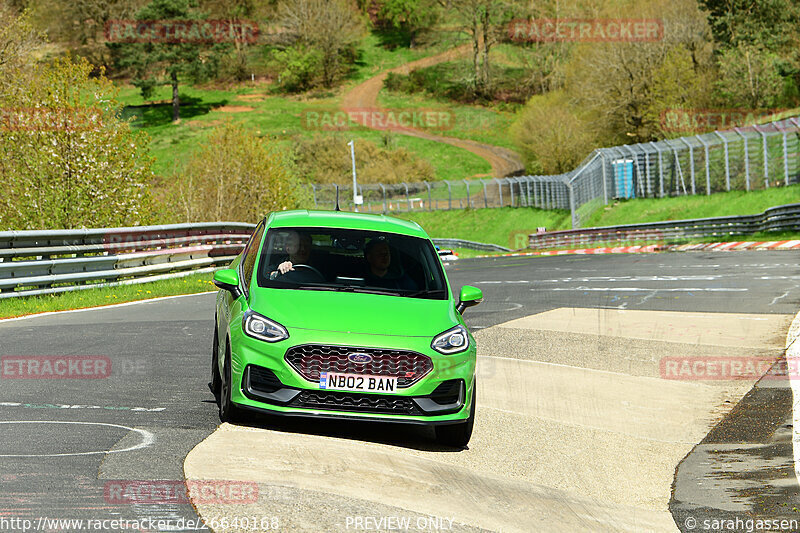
(458, 435)
(228, 412)
(216, 379)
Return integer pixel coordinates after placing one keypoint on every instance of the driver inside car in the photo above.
(298, 248)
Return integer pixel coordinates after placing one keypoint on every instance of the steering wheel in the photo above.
(309, 267)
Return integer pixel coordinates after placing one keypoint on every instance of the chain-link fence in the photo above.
(749, 158)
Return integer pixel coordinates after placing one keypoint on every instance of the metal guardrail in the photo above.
(780, 218)
(471, 245)
(49, 262)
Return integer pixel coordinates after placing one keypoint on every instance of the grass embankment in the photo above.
(27, 305)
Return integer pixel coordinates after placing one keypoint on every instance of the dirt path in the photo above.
(365, 96)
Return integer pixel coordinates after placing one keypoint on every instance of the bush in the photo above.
(235, 176)
(326, 159)
(550, 136)
(297, 68)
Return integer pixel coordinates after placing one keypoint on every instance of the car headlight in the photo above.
(452, 341)
(262, 328)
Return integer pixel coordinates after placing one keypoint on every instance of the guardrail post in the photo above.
(746, 159)
(727, 161)
(708, 170)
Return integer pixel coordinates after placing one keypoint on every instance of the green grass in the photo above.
(698, 206)
(278, 117)
(26, 305)
(473, 122)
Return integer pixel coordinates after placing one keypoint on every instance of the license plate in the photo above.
(357, 383)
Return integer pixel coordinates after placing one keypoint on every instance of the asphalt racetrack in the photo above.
(580, 424)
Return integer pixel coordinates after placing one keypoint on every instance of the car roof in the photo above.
(303, 218)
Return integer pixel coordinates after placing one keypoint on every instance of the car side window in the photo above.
(249, 259)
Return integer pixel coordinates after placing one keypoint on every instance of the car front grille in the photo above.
(362, 403)
(311, 359)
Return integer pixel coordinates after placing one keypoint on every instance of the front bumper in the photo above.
(265, 381)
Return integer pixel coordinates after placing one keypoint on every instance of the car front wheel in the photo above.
(458, 435)
(228, 412)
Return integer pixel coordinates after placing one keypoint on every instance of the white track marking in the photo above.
(147, 438)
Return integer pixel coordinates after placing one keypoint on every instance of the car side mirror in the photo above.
(227, 279)
(470, 296)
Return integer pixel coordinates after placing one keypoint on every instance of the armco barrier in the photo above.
(48, 262)
(780, 218)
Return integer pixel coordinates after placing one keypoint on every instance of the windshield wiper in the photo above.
(424, 292)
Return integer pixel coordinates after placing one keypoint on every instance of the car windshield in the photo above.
(351, 260)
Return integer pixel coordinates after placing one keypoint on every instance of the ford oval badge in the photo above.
(359, 358)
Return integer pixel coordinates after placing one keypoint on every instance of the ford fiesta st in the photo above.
(333, 314)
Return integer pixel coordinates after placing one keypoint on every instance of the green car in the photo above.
(345, 315)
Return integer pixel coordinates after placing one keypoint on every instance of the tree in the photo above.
(749, 76)
(66, 159)
(483, 21)
(616, 81)
(332, 27)
(157, 61)
(235, 175)
(411, 16)
(18, 41)
(772, 24)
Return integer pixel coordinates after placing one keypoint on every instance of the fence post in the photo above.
(708, 170)
(336, 197)
(605, 179)
(469, 201)
(691, 162)
(314, 192)
(485, 198)
(660, 171)
(746, 159)
(727, 161)
(384, 196)
(510, 182)
(766, 161)
(500, 191)
(408, 201)
(449, 196)
(573, 211)
(428, 185)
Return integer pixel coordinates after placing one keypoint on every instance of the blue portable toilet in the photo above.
(623, 178)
